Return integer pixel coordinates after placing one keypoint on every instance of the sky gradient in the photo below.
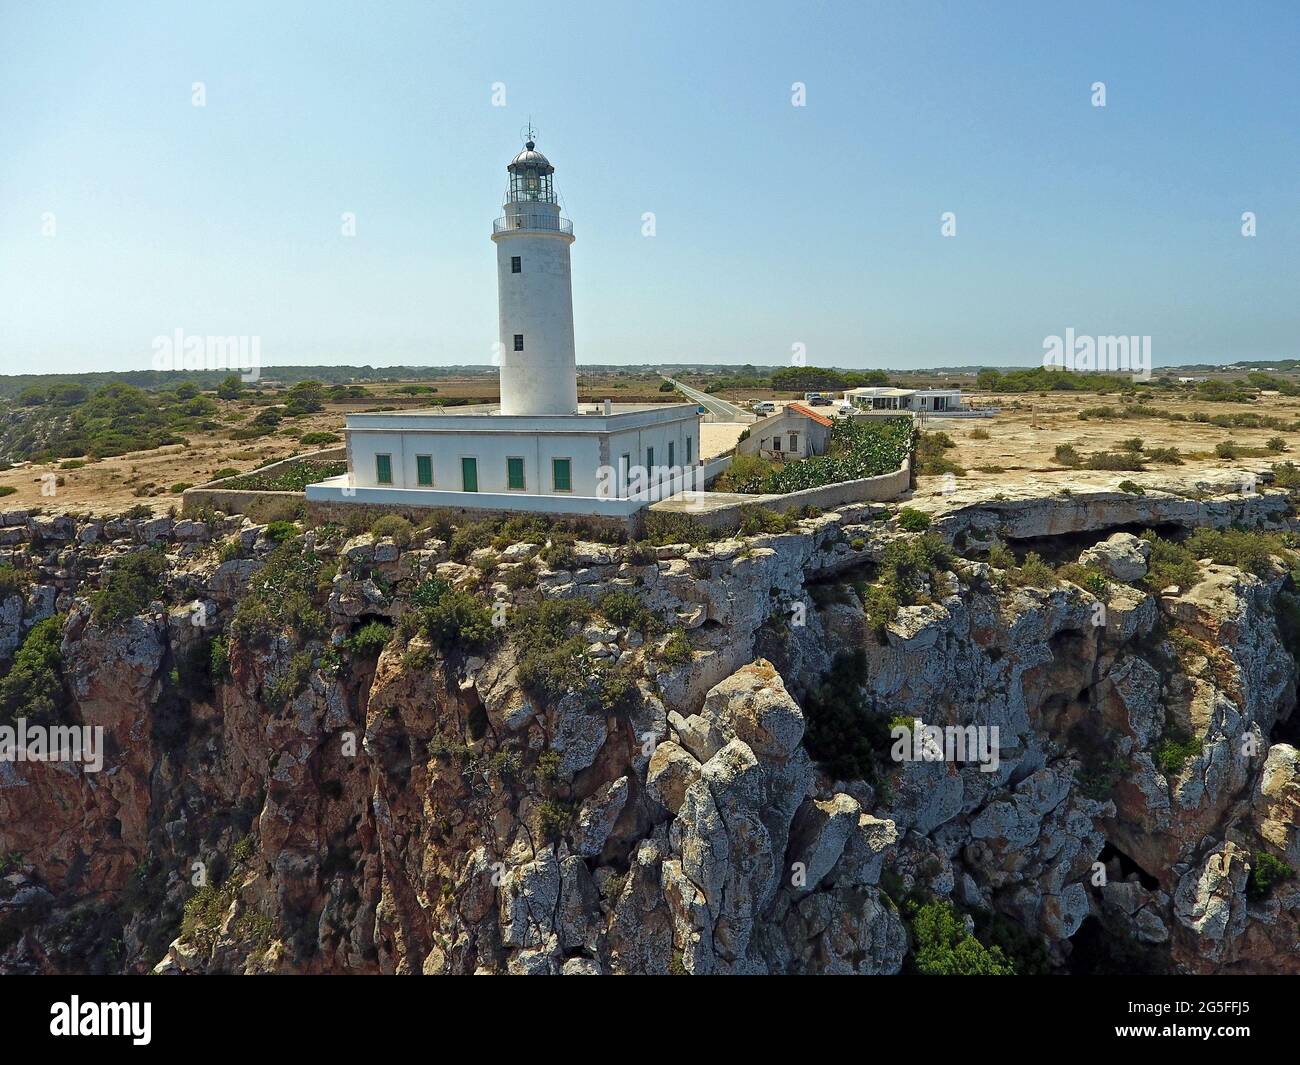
(775, 225)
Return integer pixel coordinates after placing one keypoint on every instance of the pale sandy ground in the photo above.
(717, 437)
(1024, 436)
(108, 486)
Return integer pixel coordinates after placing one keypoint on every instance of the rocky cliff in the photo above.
(459, 751)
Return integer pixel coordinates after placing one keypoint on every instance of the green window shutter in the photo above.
(650, 457)
(384, 469)
(672, 446)
(689, 440)
(515, 474)
(469, 474)
(424, 469)
(561, 475)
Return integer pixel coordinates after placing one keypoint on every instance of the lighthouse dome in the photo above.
(530, 159)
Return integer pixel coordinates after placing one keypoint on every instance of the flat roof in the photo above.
(591, 418)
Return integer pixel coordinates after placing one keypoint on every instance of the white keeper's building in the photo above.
(538, 450)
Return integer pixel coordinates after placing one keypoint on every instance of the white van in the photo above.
(764, 406)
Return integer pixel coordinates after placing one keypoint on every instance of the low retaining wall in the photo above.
(265, 506)
(726, 516)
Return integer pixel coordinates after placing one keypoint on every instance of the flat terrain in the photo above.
(1021, 439)
(1015, 446)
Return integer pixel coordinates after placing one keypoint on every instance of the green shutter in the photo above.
(469, 474)
(671, 448)
(424, 469)
(561, 475)
(689, 440)
(515, 474)
(384, 468)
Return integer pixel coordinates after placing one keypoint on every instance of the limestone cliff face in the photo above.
(320, 803)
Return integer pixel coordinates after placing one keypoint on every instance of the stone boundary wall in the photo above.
(883, 488)
(267, 506)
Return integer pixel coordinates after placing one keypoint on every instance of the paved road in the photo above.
(719, 407)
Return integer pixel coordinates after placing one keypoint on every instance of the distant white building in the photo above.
(931, 400)
(537, 451)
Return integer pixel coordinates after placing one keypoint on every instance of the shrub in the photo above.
(1226, 450)
(289, 683)
(979, 434)
(224, 472)
(279, 532)
(943, 947)
(7, 490)
(1033, 572)
(558, 553)
(371, 638)
(282, 596)
(469, 538)
(1066, 455)
(1266, 872)
(1131, 488)
(1275, 443)
(219, 656)
(1242, 548)
(132, 583)
(640, 553)
(672, 527)
(395, 527)
(755, 520)
(1086, 577)
(746, 473)
(521, 576)
(625, 608)
(1175, 749)
(318, 438)
(12, 582)
(843, 732)
(181, 486)
(33, 687)
(457, 618)
(554, 818)
(1171, 564)
(1114, 460)
(912, 520)
(677, 650)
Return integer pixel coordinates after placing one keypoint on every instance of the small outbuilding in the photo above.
(795, 432)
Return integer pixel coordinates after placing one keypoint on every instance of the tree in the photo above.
(231, 387)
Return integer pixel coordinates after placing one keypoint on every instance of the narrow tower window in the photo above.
(519, 342)
(516, 264)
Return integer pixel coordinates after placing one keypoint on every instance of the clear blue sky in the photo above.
(775, 224)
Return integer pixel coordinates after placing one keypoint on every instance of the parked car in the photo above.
(764, 406)
(820, 401)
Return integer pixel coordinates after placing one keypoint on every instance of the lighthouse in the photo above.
(534, 292)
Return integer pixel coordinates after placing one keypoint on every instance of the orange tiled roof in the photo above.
(799, 408)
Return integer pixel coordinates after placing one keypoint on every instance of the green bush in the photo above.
(132, 584)
(1066, 455)
(1114, 460)
(942, 946)
(558, 553)
(33, 687)
(7, 490)
(912, 520)
(843, 734)
(219, 656)
(452, 617)
(755, 520)
(371, 638)
(1171, 564)
(293, 478)
(1243, 548)
(672, 527)
(677, 650)
(1266, 872)
(395, 527)
(279, 532)
(318, 438)
(12, 582)
(625, 608)
(1175, 749)
(282, 597)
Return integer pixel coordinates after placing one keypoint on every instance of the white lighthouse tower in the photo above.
(535, 296)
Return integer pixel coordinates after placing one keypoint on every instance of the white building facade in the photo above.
(538, 451)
